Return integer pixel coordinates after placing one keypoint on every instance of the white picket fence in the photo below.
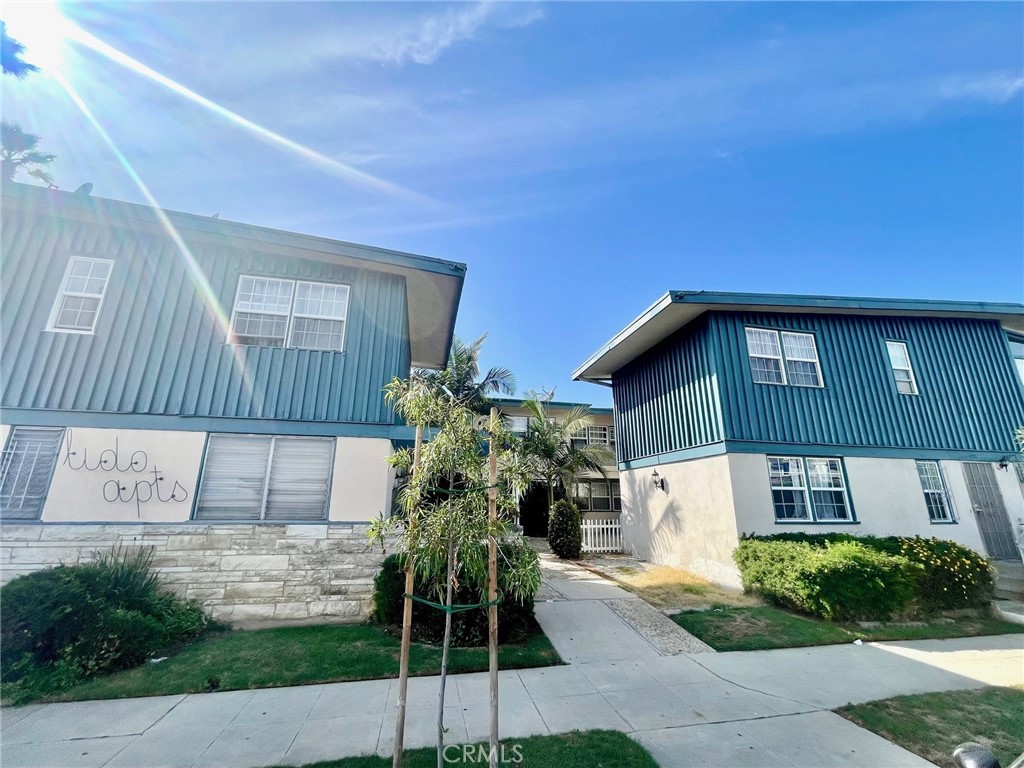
(602, 536)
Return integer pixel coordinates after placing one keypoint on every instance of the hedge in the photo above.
(954, 576)
(565, 531)
(68, 623)
(469, 628)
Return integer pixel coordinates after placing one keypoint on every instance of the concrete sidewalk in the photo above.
(766, 708)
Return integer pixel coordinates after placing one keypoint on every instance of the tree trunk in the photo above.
(444, 656)
(403, 664)
(492, 590)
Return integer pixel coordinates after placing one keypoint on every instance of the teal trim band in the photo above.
(674, 457)
(250, 426)
(801, 449)
(861, 451)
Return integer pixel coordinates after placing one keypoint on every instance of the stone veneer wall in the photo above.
(244, 574)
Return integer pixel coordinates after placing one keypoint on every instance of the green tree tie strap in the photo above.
(452, 608)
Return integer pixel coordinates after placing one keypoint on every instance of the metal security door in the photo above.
(987, 502)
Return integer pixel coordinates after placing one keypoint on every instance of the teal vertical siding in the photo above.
(969, 399)
(667, 399)
(157, 349)
(695, 388)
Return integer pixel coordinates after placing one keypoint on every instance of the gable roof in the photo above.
(676, 309)
(433, 286)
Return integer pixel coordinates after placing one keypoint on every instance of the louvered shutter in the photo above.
(26, 470)
(300, 476)
(233, 478)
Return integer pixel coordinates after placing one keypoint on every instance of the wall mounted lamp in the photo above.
(1004, 463)
(658, 480)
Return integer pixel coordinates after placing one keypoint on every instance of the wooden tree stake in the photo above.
(403, 665)
(492, 587)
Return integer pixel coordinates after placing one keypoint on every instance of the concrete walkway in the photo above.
(767, 708)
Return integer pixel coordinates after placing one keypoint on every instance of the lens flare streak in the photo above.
(347, 172)
(195, 272)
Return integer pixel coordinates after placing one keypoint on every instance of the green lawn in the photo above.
(580, 749)
(267, 658)
(933, 724)
(757, 629)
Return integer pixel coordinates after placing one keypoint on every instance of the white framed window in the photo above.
(802, 367)
(1017, 351)
(811, 489)
(765, 356)
(783, 357)
(81, 295)
(600, 496)
(518, 425)
(902, 370)
(274, 312)
(789, 491)
(611, 436)
(597, 435)
(828, 489)
(259, 477)
(936, 495)
(26, 469)
(616, 496)
(579, 440)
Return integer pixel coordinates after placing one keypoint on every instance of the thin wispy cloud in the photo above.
(992, 87)
(380, 37)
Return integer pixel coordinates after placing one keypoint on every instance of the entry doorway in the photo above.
(990, 511)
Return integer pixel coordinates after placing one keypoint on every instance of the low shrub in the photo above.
(841, 580)
(469, 628)
(565, 532)
(954, 576)
(63, 624)
(951, 577)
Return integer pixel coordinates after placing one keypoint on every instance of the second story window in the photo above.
(81, 294)
(902, 370)
(270, 312)
(784, 357)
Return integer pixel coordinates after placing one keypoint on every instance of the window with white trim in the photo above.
(1017, 351)
(597, 496)
(789, 492)
(26, 469)
(811, 489)
(81, 295)
(936, 496)
(828, 489)
(258, 477)
(597, 435)
(600, 496)
(518, 425)
(272, 312)
(783, 357)
(902, 370)
(765, 356)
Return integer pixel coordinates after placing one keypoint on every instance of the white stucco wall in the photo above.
(114, 475)
(690, 524)
(95, 479)
(886, 496)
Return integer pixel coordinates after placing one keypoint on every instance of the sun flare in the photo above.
(40, 26)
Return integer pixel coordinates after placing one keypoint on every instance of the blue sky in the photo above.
(581, 158)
